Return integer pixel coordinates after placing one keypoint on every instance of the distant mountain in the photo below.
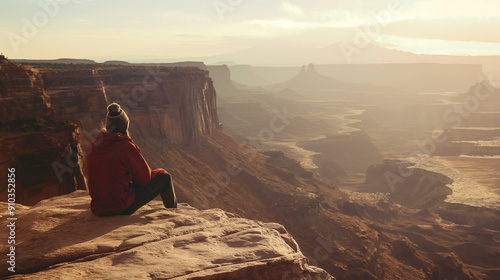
(422, 77)
(310, 79)
(334, 54)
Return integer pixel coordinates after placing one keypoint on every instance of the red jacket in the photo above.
(113, 161)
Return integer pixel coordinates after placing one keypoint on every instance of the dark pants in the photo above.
(162, 184)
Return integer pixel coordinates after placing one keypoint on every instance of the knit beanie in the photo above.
(116, 119)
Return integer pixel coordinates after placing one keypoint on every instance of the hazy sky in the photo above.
(124, 29)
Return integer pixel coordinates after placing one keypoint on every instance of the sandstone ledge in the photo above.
(59, 238)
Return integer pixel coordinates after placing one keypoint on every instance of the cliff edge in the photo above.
(55, 242)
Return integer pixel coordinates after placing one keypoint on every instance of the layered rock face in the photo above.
(470, 215)
(76, 95)
(420, 189)
(22, 94)
(171, 103)
(45, 153)
(223, 83)
(49, 117)
(185, 243)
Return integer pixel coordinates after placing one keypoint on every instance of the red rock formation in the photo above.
(174, 104)
(171, 103)
(221, 75)
(45, 154)
(77, 96)
(470, 215)
(48, 162)
(22, 96)
(421, 189)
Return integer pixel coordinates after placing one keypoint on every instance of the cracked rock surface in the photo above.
(59, 238)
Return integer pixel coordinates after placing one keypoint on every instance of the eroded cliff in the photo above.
(177, 104)
(33, 142)
(418, 189)
(51, 114)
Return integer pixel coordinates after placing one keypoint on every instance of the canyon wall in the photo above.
(45, 153)
(221, 75)
(177, 104)
(51, 114)
(420, 189)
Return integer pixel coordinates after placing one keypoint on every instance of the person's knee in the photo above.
(163, 177)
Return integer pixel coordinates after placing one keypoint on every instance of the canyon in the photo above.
(175, 121)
